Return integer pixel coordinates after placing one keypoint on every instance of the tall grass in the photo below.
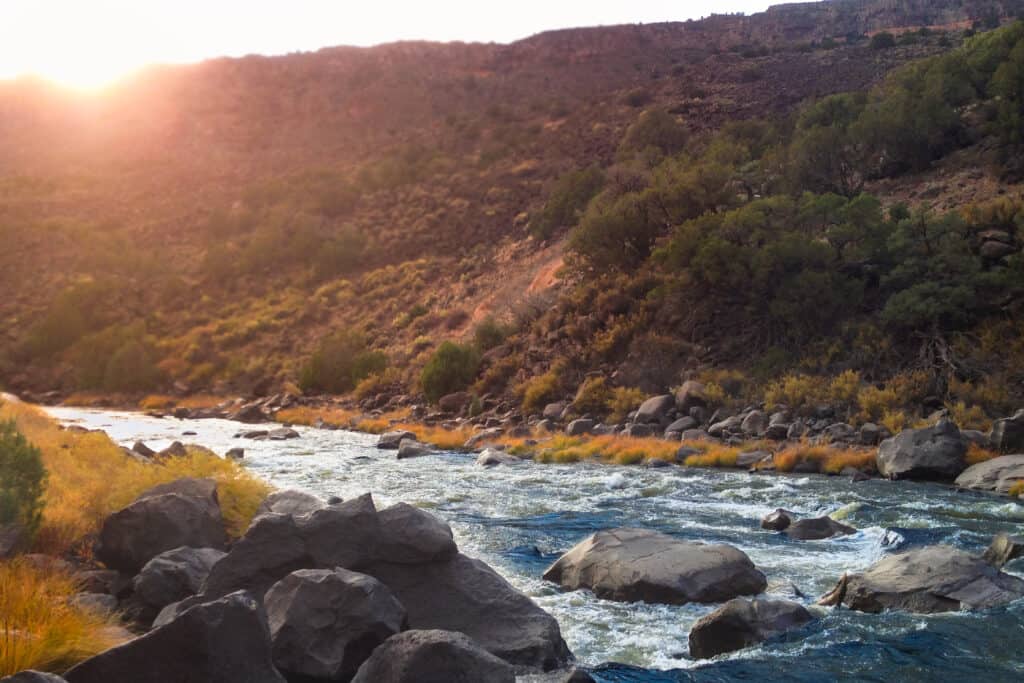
(40, 628)
(978, 454)
(89, 477)
(827, 459)
(619, 450)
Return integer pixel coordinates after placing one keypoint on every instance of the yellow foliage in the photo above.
(91, 477)
(620, 450)
(439, 437)
(894, 420)
(623, 401)
(874, 403)
(829, 460)
(540, 390)
(972, 417)
(845, 387)
(593, 396)
(715, 394)
(797, 391)
(162, 402)
(976, 454)
(40, 628)
(308, 416)
(1017, 489)
(714, 455)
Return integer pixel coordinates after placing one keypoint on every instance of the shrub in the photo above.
(874, 403)
(451, 368)
(624, 400)
(845, 387)
(655, 128)
(567, 200)
(489, 333)
(22, 480)
(341, 362)
(117, 359)
(541, 390)
(883, 41)
(797, 391)
(593, 396)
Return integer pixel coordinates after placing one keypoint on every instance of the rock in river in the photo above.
(741, 623)
(433, 656)
(640, 564)
(998, 474)
(933, 453)
(936, 578)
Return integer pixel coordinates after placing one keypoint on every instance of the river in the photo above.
(521, 518)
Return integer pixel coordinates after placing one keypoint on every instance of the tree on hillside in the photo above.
(22, 480)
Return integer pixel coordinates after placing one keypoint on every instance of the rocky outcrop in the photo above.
(1008, 433)
(224, 641)
(932, 453)
(325, 623)
(392, 440)
(172, 576)
(290, 502)
(639, 564)
(927, 580)
(741, 623)
(998, 474)
(185, 512)
(433, 656)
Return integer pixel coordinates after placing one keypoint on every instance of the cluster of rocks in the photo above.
(315, 590)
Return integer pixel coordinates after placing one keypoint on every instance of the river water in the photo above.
(521, 518)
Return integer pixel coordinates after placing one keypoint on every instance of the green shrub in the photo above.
(490, 333)
(567, 201)
(657, 129)
(119, 358)
(340, 363)
(593, 396)
(22, 480)
(883, 41)
(451, 368)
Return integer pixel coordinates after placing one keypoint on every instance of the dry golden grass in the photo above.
(976, 454)
(1017, 489)
(714, 455)
(439, 437)
(89, 477)
(40, 629)
(829, 459)
(162, 402)
(619, 450)
(343, 418)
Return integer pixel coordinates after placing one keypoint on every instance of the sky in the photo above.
(91, 43)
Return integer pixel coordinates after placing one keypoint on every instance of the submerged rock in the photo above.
(741, 623)
(932, 453)
(937, 578)
(817, 529)
(433, 656)
(411, 448)
(640, 564)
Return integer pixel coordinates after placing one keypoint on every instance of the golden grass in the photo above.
(162, 402)
(89, 477)
(714, 455)
(342, 418)
(40, 629)
(977, 454)
(829, 460)
(620, 450)
(1017, 489)
(439, 437)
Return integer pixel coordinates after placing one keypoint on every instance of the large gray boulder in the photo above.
(392, 440)
(816, 529)
(324, 623)
(409, 535)
(690, 395)
(937, 578)
(172, 576)
(755, 423)
(343, 535)
(933, 453)
(492, 457)
(580, 426)
(433, 656)
(639, 564)
(224, 641)
(741, 623)
(1008, 433)
(998, 474)
(185, 512)
(465, 595)
(655, 409)
(290, 502)
(410, 448)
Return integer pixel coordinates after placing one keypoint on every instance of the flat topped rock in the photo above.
(934, 453)
(998, 474)
(640, 564)
(937, 578)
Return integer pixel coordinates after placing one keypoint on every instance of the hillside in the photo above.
(204, 228)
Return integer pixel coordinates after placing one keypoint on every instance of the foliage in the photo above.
(541, 390)
(593, 397)
(883, 41)
(340, 363)
(567, 201)
(490, 333)
(41, 627)
(624, 400)
(117, 359)
(451, 368)
(22, 480)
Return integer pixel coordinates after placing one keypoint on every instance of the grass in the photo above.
(162, 402)
(1017, 489)
(343, 418)
(714, 455)
(39, 627)
(829, 460)
(439, 437)
(619, 450)
(91, 477)
(977, 454)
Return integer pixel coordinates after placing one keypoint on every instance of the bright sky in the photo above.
(90, 43)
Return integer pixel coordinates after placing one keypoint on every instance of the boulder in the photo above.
(1008, 433)
(224, 641)
(143, 450)
(410, 448)
(235, 454)
(492, 457)
(748, 459)
(11, 537)
(932, 453)
(695, 435)
(453, 404)
(175, 450)
(282, 434)
(324, 623)
(32, 677)
(682, 424)
(392, 440)
(172, 576)
(553, 411)
(576, 676)
(483, 437)
(778, 431)
(755, 423)
(579, 427)
(185, 512)
(250, 413)
(465, 595)
(871, 434)
(927, 580)
(690, 395)
(998, 474)
(640, 564)
(840, 432)
(409, 535)
(433, 657)
(289, 502)
(1004, 549)
(100, 581)
(741, 623)
(639, 431)
(655, 409)
(817, 529)
(729, 424)
(779, 520)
